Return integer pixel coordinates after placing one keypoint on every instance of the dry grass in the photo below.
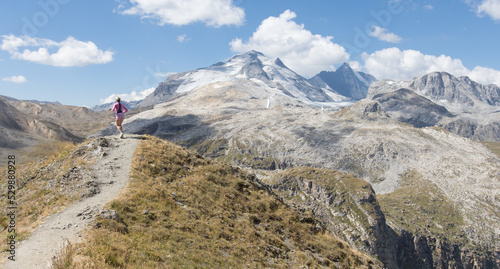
(41, 150)
(421, 208)
(43, 187)
(493, 146)
(183, 211)
(64, 258)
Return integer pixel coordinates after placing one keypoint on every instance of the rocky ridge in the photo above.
(458, 105)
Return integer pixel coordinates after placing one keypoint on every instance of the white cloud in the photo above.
(490, 8)
(485, 7)
(182, 38)
(70, 52)
(355, 65)
(164, 75)
(429, 7)
(395, 64)
(214, 13)
(384, 35)
(128, 97)
(299, 49)
(485, 75)
(392, 63)
(15, 79)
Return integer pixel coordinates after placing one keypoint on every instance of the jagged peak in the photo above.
(345, 66)
(278, 62)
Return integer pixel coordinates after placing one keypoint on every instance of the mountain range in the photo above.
(425, 195)
(26, 125)
(458, 105)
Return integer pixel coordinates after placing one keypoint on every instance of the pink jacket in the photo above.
(115, 108)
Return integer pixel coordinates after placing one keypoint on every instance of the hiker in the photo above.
(120, 115)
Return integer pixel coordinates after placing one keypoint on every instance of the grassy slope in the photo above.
(181, 210)
(346, 193)
(421, 208)
(43, 188)
(493, 146)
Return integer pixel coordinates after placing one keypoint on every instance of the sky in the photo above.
(87, 52)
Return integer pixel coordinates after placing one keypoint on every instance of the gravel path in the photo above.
(111, 173)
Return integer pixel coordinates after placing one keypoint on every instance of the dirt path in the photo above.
(111, 173)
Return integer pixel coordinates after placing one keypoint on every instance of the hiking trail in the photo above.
(111, 172)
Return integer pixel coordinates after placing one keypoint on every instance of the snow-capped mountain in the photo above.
(252, 66)
(344, 81)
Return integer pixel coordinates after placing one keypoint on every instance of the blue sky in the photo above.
(82, 52)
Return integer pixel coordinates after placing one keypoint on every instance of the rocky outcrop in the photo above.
(409, 107)
(347, 207)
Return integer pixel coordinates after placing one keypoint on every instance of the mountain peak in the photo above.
(251, 55)
(253, 66)
(345, 66)
(278, 62)
(345, 81)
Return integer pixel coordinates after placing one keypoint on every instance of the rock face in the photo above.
(409, 107)
(347, 207)
(462, 90)
(458, 105)
(345, 81)
(458, 93)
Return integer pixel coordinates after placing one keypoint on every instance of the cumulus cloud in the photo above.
(395, 64)
(70, 52)
(214, 13)
(128, 97)
(490, 8)
(384, 35)
(486, 7)
(485, 75)
(299, 49)
(15, 79)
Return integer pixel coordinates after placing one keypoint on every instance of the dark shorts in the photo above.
(120, 116)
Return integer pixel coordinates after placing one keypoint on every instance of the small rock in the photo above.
(103, 142)
(110, 214)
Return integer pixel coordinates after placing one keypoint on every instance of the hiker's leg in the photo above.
(119, 125)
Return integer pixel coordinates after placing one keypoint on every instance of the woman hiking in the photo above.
(120, 115)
